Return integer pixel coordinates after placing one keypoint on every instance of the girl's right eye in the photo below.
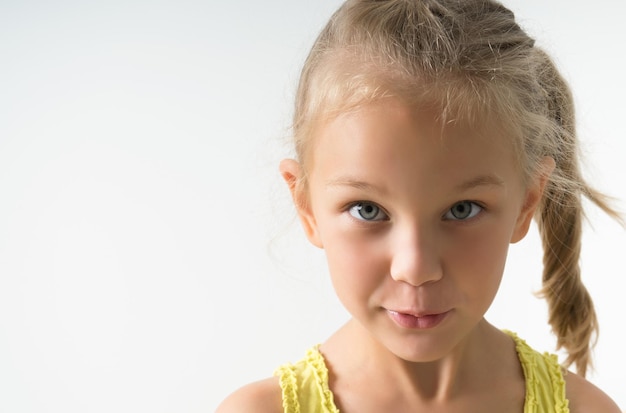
(367, 211)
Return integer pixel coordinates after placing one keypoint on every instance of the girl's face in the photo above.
(415, 221)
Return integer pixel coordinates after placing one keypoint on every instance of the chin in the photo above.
(426, 349)
(420, 355)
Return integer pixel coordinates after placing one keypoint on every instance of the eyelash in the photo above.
(354, 209)
(473, 212)
(361, 204)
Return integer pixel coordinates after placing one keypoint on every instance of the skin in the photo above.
(415, 219)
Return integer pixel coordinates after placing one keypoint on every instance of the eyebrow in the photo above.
(481, 180)
(353, 183)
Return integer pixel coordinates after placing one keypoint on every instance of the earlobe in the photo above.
(534, 193)
(292, 173)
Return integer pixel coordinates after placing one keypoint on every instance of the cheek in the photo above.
(483, 254)
(479, 259)
(357, 267)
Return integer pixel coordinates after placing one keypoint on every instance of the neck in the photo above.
(468, 368)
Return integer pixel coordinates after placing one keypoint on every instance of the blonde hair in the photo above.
(472, 60)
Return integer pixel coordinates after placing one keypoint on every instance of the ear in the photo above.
(534, 193)
(293, 176)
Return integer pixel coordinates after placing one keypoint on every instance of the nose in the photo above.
(415, 258)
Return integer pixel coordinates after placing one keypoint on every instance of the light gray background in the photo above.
(149, 256)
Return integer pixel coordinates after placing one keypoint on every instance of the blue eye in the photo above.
(367, 211)
(463, 210)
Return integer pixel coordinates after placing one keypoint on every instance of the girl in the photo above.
(428, 134)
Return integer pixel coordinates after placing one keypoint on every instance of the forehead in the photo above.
(390, 139)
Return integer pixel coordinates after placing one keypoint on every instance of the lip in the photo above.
(417, 321)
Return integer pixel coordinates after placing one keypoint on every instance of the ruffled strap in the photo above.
(545, 386)
(304, 385)
(315, 360)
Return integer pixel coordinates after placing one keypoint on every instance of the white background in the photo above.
(149, 256)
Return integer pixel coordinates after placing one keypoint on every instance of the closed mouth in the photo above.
(417, 321)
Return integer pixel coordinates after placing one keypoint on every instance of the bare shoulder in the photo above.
(263, 396)
(585, 397)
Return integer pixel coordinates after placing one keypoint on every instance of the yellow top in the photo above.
(305, 384)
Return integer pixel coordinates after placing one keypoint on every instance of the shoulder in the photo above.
(263, 396)
(585, 397)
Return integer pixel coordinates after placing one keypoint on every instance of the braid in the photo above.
(571, 311)
(560, 219)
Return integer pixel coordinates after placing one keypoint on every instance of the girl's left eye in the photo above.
(463, 210)
(367, 211)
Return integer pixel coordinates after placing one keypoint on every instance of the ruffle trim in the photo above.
(558, 382)
(316, 361)
(289, 387)
(528, 359)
